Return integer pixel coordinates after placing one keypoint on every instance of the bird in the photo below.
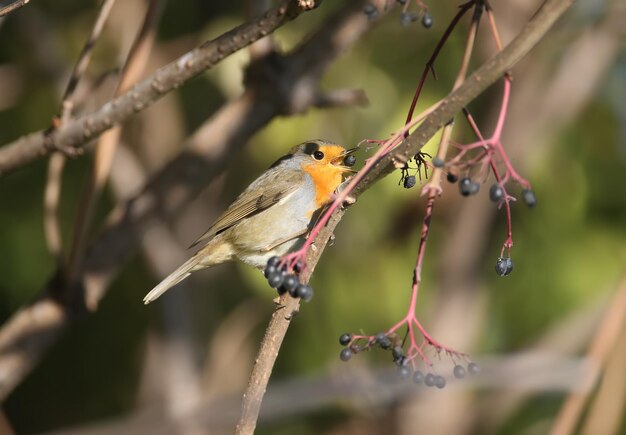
(272, 216)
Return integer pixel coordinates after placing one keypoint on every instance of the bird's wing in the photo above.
(263, 193)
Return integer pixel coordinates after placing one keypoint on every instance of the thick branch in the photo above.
(480, 80)
(87, 127)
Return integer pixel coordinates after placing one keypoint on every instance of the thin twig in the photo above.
(107, 143)
(480, 80)
(167, 78)
(5, 10)
(52, 192)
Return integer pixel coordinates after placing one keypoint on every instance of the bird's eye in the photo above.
(318, 155)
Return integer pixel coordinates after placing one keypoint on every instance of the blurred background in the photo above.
(181, 364)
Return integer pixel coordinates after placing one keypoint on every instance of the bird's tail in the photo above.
(172, 279)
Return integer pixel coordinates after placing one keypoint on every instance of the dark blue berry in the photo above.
(465, 186)
(496, 193)
(468, 187)
(429, 380)
(273, 261)
(459, 371)
(345, 354)
(473, 368)
(275, 279)
(290, 282)
(349, 161)
(440, 381)
(438, 162)
(269, 270)
(409, 181)
(345, 339)
(370, 11)
(452, 176)
(529, 197)
(418, 377)
(404, 371)
(427, 20)
(304, 292)
(504, 266)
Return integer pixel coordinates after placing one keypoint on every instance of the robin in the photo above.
(273, 215)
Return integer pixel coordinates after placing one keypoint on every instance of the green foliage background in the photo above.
(569, 251)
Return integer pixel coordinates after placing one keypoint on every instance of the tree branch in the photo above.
(479, 81)
(167, 78)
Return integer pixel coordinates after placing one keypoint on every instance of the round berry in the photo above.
(496, 193)
(429, 380)
(427, 20)
(504, 266)
(465, 186)
(269, 270)
(418, 377)
(345, 354)
(452, 176)
(409, 181)
(474, 188)
(273, 261)
(290, 282)
(438, 162)
(473, 368)
(440, 381)
(304, 292)
(281, 290)
(529, 198)
(349, 161)
(401, 360)
(459, 371)
(345, 339)
(404, 371)
(275, 279)
(370, 11)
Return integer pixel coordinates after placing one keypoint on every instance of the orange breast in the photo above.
(326, 178)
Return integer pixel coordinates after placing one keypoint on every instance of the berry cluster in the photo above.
(406, 364)
(284, 282)
(406, 17)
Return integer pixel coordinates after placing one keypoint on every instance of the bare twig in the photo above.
(480, 80)
(12, 6)
(107, 143)
(87, 127)
(56, 164)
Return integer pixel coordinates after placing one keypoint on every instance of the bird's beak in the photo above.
(338, 161)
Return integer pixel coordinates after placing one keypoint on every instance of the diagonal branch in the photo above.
(167, 78)
(479, 81)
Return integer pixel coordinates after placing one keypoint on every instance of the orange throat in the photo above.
(326, 179)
